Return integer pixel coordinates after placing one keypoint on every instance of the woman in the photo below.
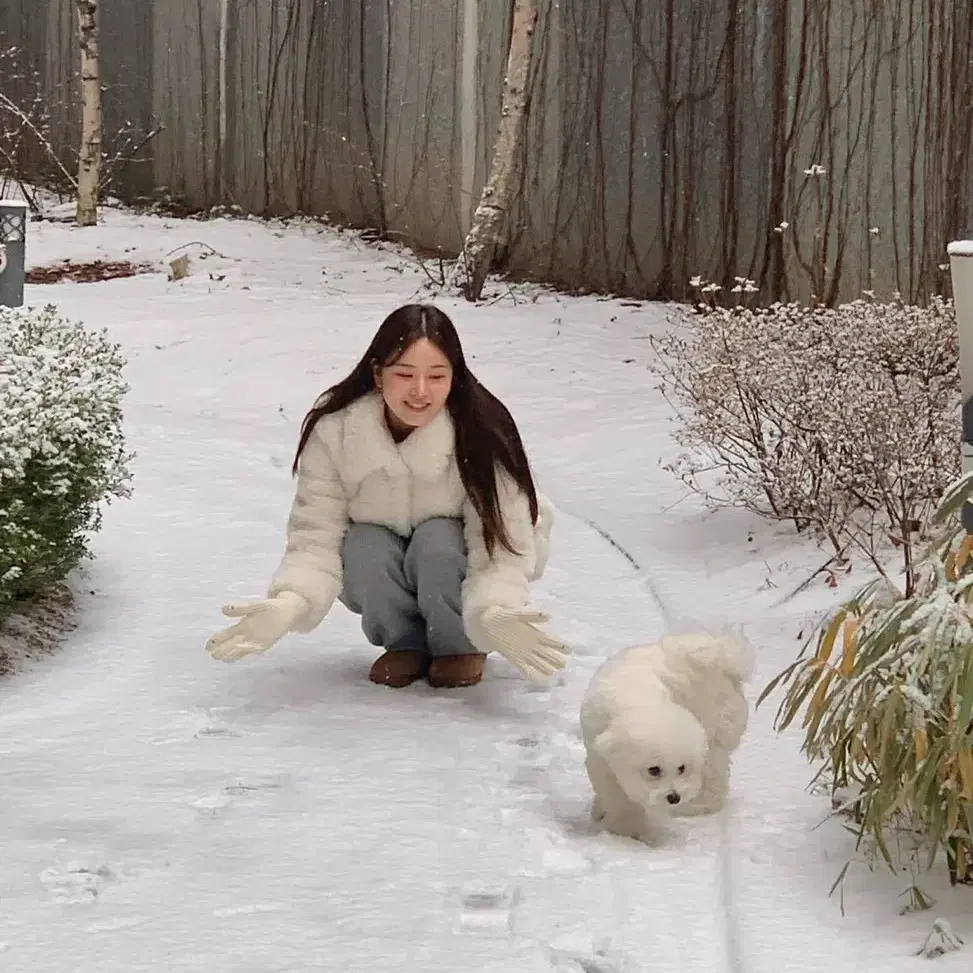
(416, 507)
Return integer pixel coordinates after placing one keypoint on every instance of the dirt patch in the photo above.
(36, 629)
(86, 273)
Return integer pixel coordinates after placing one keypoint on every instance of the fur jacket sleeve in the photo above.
(316, 527)
(503, 580)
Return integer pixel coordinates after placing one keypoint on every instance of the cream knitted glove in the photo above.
(515, 635)
(262, 624)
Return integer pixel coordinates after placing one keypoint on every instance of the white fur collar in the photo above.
(369, 446)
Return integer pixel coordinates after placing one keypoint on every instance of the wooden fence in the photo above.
(815, 146)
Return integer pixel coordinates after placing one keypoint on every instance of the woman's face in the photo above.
(415, 387)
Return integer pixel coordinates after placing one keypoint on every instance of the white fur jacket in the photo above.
(352, 470)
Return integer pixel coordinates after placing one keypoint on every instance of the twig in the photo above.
(15, 109)
(199, 243)
(804, 585)
(126, 154)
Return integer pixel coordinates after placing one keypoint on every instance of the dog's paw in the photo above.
(695, 809)
(689, 809)
(597, 811)
(655, 828)
(624, 824)
(711, 800)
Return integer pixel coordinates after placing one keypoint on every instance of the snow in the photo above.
(960, 248)
(163, 812)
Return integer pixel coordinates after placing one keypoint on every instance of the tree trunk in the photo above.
(491, 217)
(89, 163)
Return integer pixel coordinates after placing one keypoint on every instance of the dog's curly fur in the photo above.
(660, 723)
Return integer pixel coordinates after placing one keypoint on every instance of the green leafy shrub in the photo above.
(62, 450)
(886, 688)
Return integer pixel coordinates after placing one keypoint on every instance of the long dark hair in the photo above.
(486, 434)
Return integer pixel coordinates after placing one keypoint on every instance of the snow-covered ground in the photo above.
(163, 813)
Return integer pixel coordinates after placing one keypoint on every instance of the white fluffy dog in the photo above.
(660, 723)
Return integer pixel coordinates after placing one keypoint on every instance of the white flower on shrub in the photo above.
(62, 450)
(743, 285)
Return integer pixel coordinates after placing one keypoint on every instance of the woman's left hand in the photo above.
(514, 633)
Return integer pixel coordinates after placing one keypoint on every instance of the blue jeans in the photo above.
(408, 590)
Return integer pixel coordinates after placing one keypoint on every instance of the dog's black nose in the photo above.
(672, 797)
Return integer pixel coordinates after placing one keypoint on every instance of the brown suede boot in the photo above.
(399, 669)
(454, 671)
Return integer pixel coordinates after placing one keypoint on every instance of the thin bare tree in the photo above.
(490, 219)
(89, 159)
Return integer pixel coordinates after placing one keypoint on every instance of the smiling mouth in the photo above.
(417, 408)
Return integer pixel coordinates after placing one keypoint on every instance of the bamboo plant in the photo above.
(886, 689)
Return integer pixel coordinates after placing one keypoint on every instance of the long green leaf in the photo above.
(956, 494)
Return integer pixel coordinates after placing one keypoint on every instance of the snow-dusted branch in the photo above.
(35, 129)
(842, 420)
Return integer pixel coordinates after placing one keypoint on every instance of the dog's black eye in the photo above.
(681, 768)
(655, 771)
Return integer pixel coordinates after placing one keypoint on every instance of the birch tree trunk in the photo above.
(89, 162)
(491, 217)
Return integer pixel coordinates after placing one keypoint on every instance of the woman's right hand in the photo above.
(262, 624)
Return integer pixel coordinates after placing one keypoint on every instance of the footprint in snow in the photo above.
(559, 858)
(211, 802)
(255, 787)
(224, 797)
(596, 961)
(530, 763)
(76, 883)
(488, 910)
(198, 724)
(116, 925)
(520, 748)
(250, 909)
(211, 721)
(530, 775)
(215, 731)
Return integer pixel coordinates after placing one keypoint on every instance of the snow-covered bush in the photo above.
(886, 685)
(62, 450)
(842, 420)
